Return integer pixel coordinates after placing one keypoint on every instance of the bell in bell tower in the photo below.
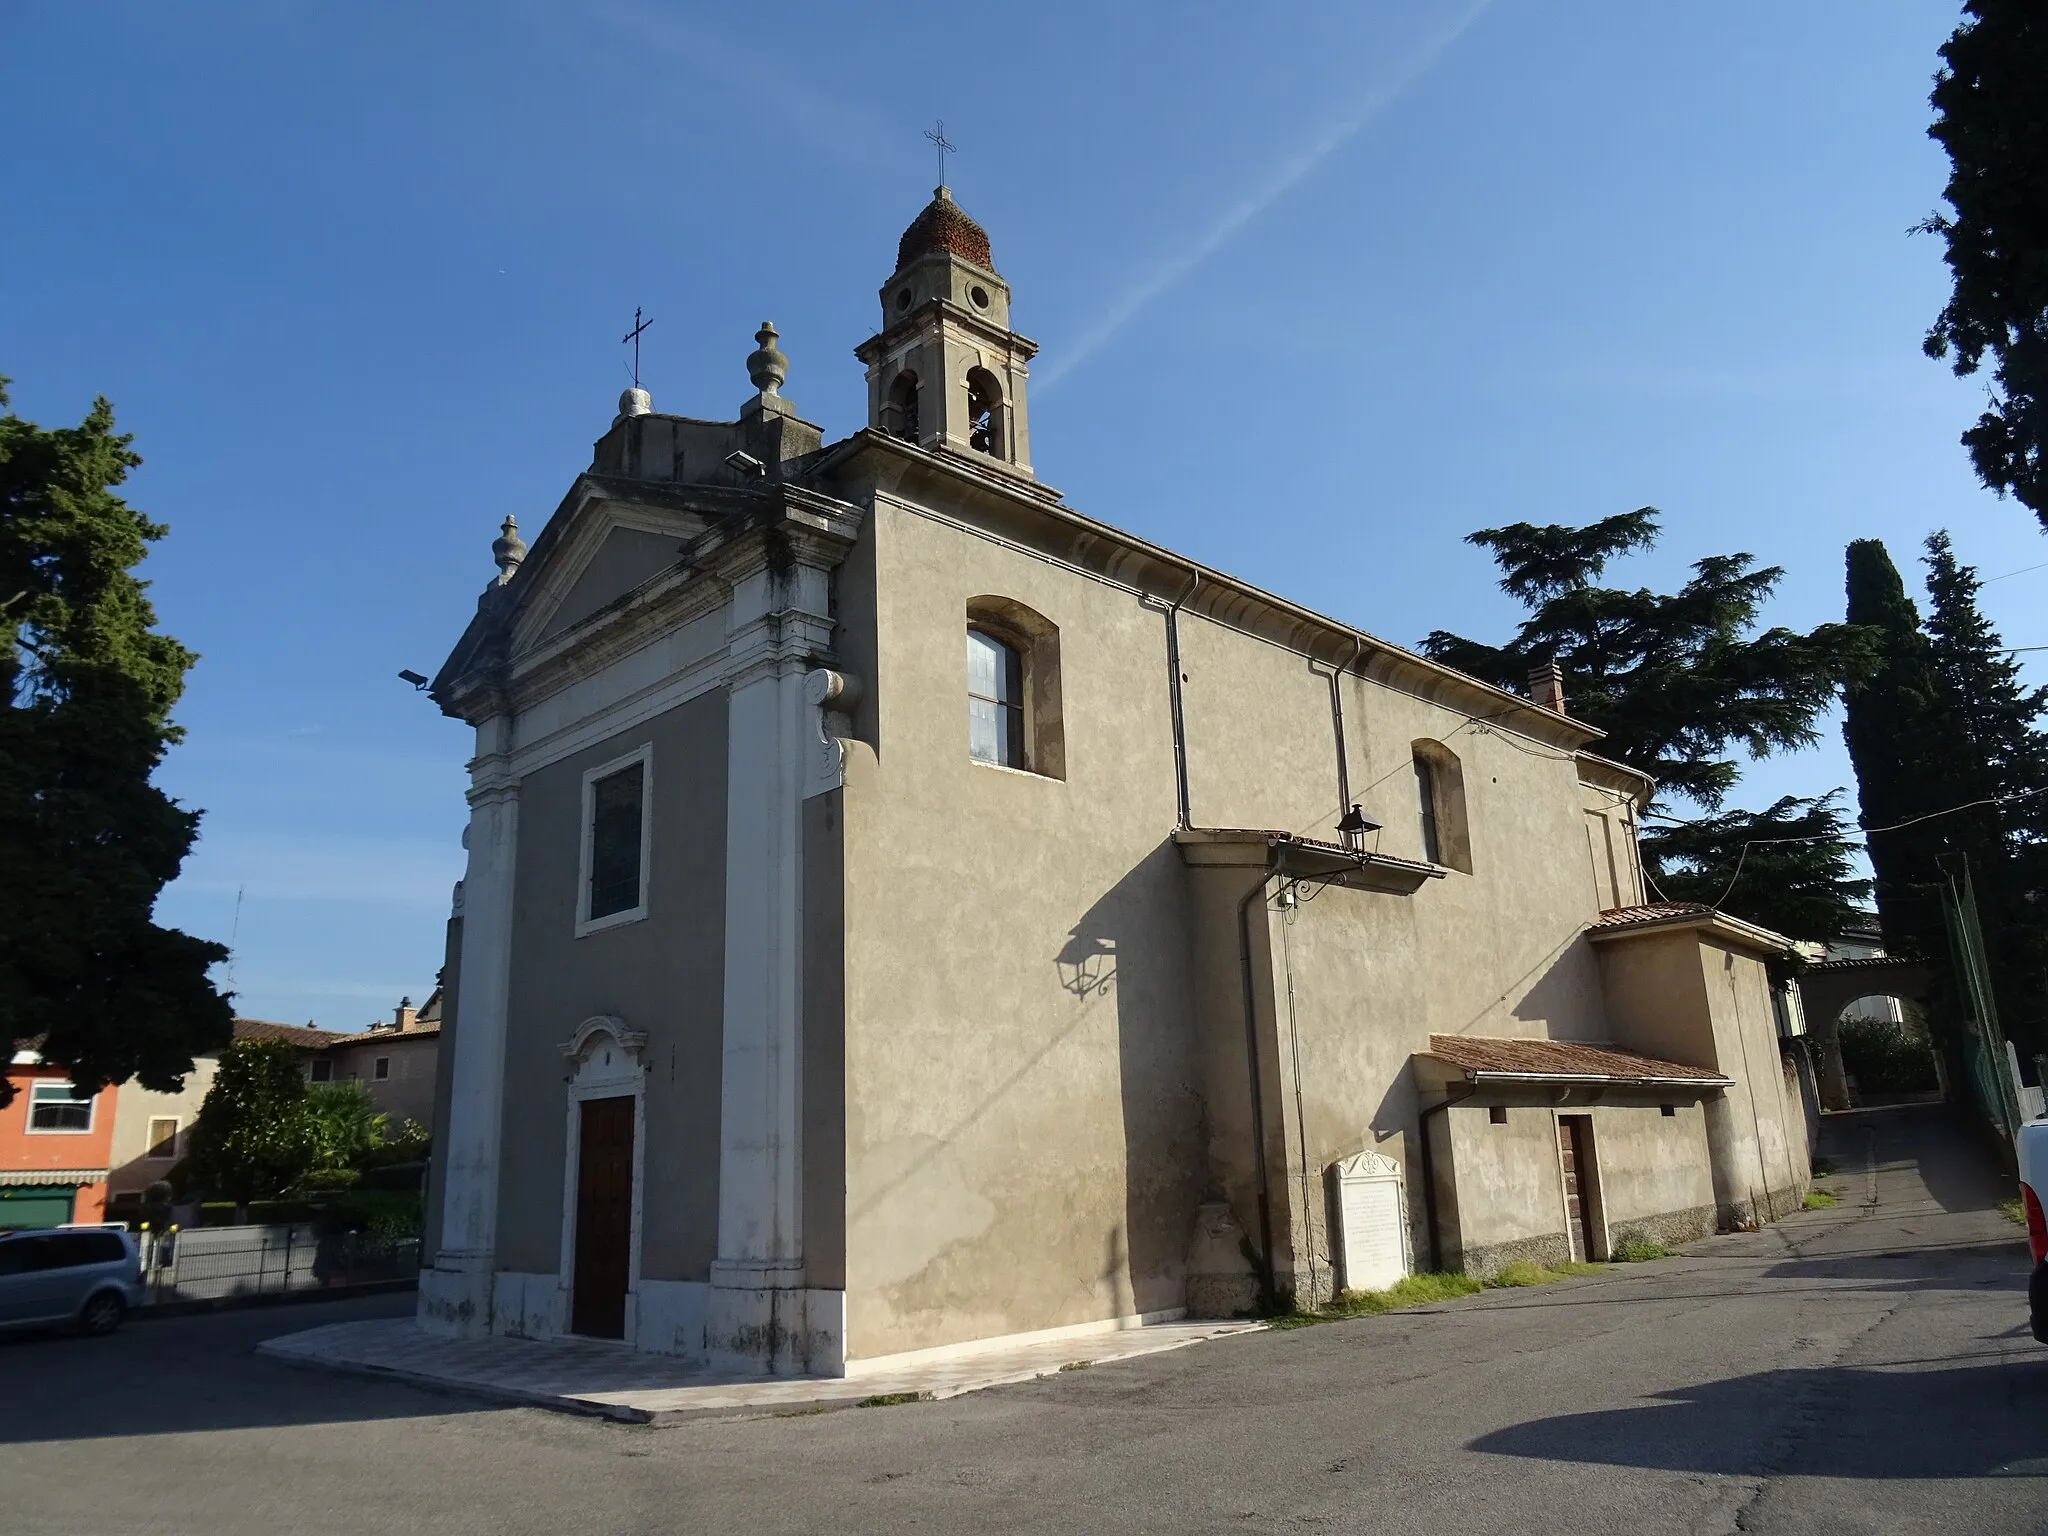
(946, 371)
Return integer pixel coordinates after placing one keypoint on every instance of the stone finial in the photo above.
(766, 365)
(508, 549)
(635, 402)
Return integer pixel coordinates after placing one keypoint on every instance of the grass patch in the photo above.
(1639, 1250)
(1818, 1200)
(893, 1399)
(2013, 1211)
(1077, 1365)
(1408, 1291)
(1524, 1273)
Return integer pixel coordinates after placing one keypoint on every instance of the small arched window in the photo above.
(901, 419)
(984, 412)
(1440, 806)
(995, 700)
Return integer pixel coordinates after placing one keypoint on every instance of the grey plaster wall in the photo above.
(444, 1088)
(663, 974)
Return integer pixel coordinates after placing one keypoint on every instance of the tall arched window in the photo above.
(902, 416)
(984, 412)
(995, 700)
(1440, 806)
(1425, 792)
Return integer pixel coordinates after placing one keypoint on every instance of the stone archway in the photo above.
(1830, 986)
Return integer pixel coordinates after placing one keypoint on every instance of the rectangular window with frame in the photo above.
(381, 1069)
(54, 1106)
(163, 1139)
(615, 843)
(320, 1070)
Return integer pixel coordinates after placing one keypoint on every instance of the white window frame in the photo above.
(380, 1070)
(320, 1061)
(28, 1120)
(585, 923)
(149, 1150)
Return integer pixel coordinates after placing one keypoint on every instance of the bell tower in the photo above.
(946, 371)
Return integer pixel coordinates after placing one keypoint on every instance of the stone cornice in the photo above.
(919, 319)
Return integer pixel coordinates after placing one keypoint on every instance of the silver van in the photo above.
(89, 1276)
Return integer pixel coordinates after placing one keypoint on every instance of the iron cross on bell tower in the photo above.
(945, 146)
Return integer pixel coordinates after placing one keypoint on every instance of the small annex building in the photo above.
(904, 911)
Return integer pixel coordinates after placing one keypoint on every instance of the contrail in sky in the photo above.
(1335, 135)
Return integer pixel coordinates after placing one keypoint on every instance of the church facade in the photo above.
(902, 911)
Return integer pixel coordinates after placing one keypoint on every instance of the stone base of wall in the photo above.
(1483, 1261)
(1223, 1295)
(1670, 1228)
(1745, 1215)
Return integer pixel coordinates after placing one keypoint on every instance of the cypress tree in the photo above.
(2000, 724)
(1902, 740)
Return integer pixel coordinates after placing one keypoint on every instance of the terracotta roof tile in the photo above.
(1651, 912)
(1561, 1058)
(418, 1031)
(302, 1036)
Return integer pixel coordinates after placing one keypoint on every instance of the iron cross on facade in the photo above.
(633, 336)
(937, 134)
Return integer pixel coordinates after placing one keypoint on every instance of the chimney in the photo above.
(406, 1017)
(1546, 686)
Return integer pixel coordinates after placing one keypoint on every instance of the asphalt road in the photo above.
(1865, 1369)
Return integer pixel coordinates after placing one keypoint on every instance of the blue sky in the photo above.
(1319, 289)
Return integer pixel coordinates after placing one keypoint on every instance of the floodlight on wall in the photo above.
(1355, 822)
(410, 676)
(745, 463)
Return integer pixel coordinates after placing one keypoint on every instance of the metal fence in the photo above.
(215, 1263)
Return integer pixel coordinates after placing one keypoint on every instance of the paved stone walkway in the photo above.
(592, 1377)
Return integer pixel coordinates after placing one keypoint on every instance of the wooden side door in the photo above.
(1575, 1153)
(604, 1218)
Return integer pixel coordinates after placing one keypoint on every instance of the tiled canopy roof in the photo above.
(1652, 912)
(943, 227)
(1563, 1059)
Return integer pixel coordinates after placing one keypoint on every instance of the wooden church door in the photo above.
(604, 1218)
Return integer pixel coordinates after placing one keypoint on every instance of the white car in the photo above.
(2033, 1149)
(87, 1276)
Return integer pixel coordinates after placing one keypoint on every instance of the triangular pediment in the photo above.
(607, 549)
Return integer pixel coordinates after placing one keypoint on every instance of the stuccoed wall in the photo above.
(663, 975)
(1044, 1038)
(1023, 1137)
(1651, 1179)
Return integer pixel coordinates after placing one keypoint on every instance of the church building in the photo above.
(904, 911)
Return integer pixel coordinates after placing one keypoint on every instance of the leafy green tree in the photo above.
(1681, 682)
(1787, 867)
(86, 841)
(256, 1131)
(1991, 115)
(351, 1127)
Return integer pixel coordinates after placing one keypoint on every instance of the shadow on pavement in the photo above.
(191, 1374)
(1992, 1417)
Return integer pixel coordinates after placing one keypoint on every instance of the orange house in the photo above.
(53, 1146)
